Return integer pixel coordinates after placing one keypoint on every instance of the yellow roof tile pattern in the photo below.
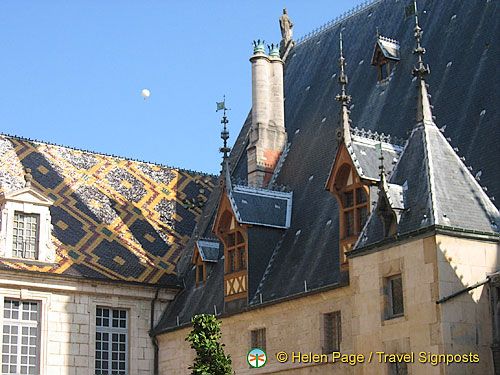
(113, 218)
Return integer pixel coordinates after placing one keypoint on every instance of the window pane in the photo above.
(232, 261)
(258, 337)
(332, 332)
(231, 240)
(362, 217)
(348, 198)
(199, 270)
(242, 258)
(349, 223)
(360, 196)
(25, 236)
(239, 238)
(397, 296)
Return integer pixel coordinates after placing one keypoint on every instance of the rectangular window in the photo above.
(111, 341)
(25, 236)
(259, 339)
(396, 307)
(20, 337)
(332, 334)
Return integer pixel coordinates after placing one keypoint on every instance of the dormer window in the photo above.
(385, 56)
(25, 235)
(25, 226)
(205, 255)
(353, 197)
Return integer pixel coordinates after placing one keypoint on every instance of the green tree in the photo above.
(204, 338)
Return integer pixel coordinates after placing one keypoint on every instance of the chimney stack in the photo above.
(267, 136)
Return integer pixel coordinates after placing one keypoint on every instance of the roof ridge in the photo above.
(430, 170)
(105, 154)
(335, 21)
(375, 136)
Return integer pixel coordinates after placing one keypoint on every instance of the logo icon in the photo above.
(256, 357)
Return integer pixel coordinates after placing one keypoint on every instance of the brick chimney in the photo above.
(267, 136)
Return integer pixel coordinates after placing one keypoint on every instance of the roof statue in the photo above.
(287, 42)
(286, 26)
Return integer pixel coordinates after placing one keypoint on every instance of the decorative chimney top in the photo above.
(274, 50)
(258, 47)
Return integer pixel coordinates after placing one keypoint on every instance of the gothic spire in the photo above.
(343, 133)
(424, 108)
(224, 134)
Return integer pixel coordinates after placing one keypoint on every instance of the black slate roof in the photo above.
(462, 39)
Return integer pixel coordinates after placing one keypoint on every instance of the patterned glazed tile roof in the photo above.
(112, 218)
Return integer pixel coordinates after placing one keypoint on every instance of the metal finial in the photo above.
(342, 97)
(224, 133)
(420, 70)
(28, 177)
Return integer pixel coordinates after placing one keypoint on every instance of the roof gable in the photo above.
(27, 195)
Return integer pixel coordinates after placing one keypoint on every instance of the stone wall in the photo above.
(431, 267)
(466, 319)
(68, 319)
(291, 326)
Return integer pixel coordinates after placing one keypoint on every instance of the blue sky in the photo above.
(71, 72)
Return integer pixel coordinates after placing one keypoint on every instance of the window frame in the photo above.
(235, 251)
(25, 222)
(27, 201)
(390, 294)
(21, 324)
(330, 343)
(258, 338)
(110, 330)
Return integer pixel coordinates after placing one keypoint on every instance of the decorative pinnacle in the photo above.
(342, 97)
(224, 133)
(420, 70)
(28, 177)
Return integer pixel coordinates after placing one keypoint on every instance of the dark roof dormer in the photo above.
(385, 55)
